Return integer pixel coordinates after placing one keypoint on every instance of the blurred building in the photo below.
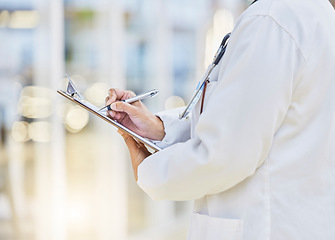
(65, 174)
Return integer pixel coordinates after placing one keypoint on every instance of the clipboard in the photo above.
(73, 95)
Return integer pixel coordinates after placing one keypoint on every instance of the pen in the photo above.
(200, 88)
(136, 98)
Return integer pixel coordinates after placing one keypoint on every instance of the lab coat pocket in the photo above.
(204, 227)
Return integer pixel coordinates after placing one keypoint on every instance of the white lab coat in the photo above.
(260, 160)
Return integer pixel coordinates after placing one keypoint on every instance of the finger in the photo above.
(142, 144)
(144, 148)
(112, 96)
(115, 94)
(111, 114)
(106, 100)
(124, 107)
(118, 116)
(131, 143)
(128, 94)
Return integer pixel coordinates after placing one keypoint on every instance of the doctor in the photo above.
(260, 159)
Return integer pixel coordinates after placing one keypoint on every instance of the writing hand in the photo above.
(134, 116)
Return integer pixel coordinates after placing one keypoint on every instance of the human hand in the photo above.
(134, 116)
(138, 152)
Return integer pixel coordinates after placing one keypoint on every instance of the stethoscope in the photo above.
(201, 88)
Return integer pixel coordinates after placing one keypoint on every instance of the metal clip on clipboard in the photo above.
(74, 95)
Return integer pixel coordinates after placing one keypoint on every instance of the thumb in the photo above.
(133, 145)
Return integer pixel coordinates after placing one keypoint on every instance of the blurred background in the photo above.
(65, 174)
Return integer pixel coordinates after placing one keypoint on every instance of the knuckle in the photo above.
(111, 92)
(131, 93)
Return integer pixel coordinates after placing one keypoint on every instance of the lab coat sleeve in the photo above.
(233, 135)
(176, 130)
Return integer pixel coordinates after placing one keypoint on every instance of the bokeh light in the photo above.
(23, 19)
(4, 18)
(97, 93)
(76, 119)
(174, 102)
(40, 131)
(35, 102)
(20, 131)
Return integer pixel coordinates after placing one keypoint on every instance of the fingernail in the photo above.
(113, 106)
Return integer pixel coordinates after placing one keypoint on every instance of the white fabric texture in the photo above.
(260, 159)
(176, 130)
